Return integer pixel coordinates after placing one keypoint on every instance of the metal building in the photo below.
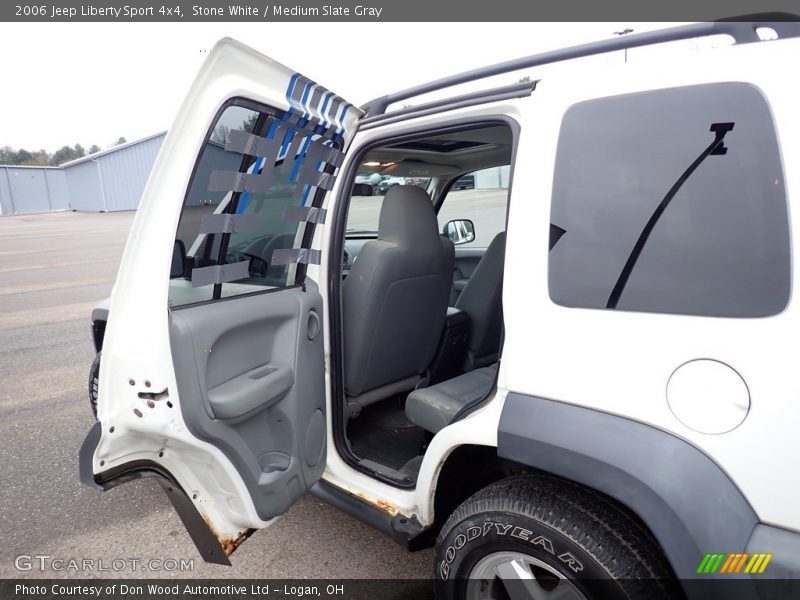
(112, 179)
(492, 178)
(32, 189)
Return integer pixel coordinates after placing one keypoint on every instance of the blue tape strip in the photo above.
(330, 117)
(322, 110)
(289, 90)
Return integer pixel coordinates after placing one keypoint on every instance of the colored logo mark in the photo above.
(734, 563)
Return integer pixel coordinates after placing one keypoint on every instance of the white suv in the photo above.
(584, 374)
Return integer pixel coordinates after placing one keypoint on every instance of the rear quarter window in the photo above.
(650, 214)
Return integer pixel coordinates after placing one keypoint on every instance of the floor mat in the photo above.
(383, 434)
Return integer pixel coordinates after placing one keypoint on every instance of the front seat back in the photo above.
(395, 299)
(482, 300)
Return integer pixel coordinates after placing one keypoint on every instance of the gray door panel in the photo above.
(251, 382)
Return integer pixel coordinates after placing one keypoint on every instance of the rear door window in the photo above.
(244, 218)
(671, 201)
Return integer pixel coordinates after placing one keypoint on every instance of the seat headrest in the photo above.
(407, 217)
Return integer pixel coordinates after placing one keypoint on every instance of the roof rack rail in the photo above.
(742, 29)
(515, 90)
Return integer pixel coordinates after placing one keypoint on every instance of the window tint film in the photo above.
(671, 201)
(243, 219)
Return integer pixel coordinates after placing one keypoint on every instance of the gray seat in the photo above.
(394, 300)
(482, 300)
(433, 408)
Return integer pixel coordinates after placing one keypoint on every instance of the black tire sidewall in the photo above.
(479, 535)
(94, 382)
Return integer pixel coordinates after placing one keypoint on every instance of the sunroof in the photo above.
(440, 145)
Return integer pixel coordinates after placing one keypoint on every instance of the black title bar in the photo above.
(178, 11)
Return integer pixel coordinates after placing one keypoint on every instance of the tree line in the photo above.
(42, 158)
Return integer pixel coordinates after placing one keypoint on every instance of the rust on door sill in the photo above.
(382, 505)
(229, 543)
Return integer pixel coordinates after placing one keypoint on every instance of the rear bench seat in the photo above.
(433, 408)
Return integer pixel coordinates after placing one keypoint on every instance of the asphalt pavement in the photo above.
(53, 269)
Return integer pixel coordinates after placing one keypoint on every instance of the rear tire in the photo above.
(94, 383)
(527, 535)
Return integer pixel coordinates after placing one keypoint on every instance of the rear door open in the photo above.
(212, 376)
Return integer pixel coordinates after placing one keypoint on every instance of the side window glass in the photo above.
(244, 216)
(671, 201)
(480, 197)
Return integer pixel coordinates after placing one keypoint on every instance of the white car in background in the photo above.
(389, 182)
(373, 180)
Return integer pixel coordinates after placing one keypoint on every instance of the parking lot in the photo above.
(53, 268)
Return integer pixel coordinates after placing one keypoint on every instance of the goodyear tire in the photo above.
(94, 383)
(527, 535)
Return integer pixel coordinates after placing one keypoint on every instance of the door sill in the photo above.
(406, 531)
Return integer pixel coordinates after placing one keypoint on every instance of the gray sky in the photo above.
(93, 82)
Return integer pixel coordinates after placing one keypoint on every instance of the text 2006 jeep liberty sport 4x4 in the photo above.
(592, 378)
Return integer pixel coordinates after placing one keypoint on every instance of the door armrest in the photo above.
(250, 392)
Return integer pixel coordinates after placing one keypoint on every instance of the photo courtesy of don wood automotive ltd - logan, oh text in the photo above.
(420, 300)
